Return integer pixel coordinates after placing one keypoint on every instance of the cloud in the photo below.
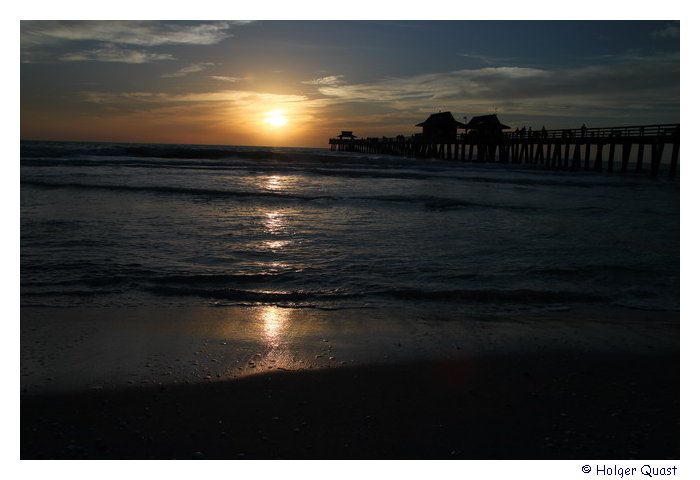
(114, 54)
(140, 33)
(240, 97)
(242, 105)
(428, 86)
(672, 30)
(610, 92)
(477, 59)
(228, 111)
(222, 78)
(193, 68)
(640, 78)
(40, 39)
(329, 80)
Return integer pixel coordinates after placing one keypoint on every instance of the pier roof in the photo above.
(486, 122)
(442, 118)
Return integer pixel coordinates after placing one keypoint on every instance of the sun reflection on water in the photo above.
(274, 182)
(275, 244)
(273, 222)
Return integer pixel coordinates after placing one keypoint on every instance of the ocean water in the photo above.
(155, 225)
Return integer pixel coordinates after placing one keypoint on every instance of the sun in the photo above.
(276, 118)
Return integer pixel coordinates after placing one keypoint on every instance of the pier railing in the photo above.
(584, 132)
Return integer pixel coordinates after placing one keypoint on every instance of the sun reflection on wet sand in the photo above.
(273, 333)
(274, 322)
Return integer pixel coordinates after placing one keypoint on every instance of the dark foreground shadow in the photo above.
(516, 407)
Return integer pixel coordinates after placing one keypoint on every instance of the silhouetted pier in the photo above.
(637, 148)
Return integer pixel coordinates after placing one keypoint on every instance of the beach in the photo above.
(211, 384)
(184, 301)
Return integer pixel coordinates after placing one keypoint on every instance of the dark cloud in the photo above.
(114, 54)
(634, 81)
(141, 33)
(193, 68)
(114, 40)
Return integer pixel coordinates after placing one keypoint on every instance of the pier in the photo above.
(638, 148)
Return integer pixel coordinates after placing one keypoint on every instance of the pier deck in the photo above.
(599, 149)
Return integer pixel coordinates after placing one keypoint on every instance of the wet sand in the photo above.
(280, 383)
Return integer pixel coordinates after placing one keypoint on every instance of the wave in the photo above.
(316, 161)
(227, 287)
(356, 167)
(138, 277)
(127, 152)
(165, 189)
(260, 291)
(70, 293)
(126, 162)
(590, 270)
(71, 149)
(338, 170)
(519, 296)
(221, 279)
(428, 201)
(256, 296)
(319, 164)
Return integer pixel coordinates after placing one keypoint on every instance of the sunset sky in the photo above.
(298, 83)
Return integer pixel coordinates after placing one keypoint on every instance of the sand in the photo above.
(268, 383)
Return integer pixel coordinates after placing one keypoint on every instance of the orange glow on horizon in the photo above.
(220, 118)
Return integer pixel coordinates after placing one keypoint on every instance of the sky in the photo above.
(297, 83)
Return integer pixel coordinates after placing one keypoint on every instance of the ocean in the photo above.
(127, 225)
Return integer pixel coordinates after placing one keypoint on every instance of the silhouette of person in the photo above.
(583, 130)
(544, 132)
